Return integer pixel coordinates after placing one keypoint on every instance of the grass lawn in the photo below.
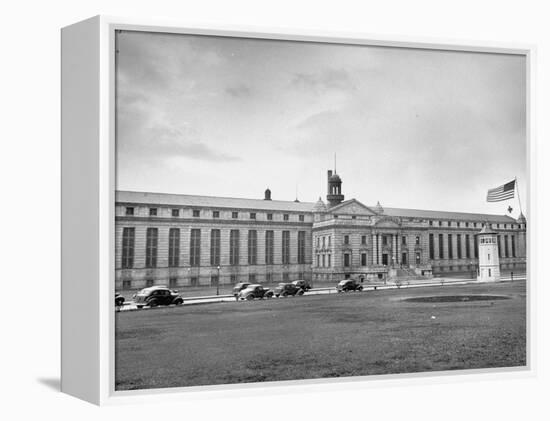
(320, 336)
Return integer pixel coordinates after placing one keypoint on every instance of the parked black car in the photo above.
(349, 285)
(119, 299)
(239, 287)
(286, 289)
(157, 296)
(254, 291)
(302, 284)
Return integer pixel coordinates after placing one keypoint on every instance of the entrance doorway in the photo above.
(385, 259)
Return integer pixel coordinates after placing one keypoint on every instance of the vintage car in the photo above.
(119, 299)
(254, 291)
(286, 289)
(349, 285)
(157, 296)
(239, 287)
(302, 284)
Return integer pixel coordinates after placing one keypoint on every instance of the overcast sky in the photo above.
(229, 117)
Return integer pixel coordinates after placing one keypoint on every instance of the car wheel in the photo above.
(301, 292)
(178, 302)
(249, 297)
(285, 294)
(269, 295)
(153, 303)
(360, 289)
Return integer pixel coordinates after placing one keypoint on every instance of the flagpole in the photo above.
(519, 200)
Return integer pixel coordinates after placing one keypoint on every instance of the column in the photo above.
(379, 247)
(374, 249)
(394, 249)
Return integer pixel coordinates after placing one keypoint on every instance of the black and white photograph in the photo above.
(298, 210)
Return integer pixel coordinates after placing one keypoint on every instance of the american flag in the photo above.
(504, 192)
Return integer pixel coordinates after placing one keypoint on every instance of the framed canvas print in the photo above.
(244, 209)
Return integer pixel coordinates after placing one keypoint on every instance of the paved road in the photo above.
(129, 306)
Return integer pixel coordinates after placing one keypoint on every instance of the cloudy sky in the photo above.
(229, 117)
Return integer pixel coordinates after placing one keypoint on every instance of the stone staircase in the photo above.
(403, 275)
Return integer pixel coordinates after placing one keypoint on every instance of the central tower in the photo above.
(334, 189)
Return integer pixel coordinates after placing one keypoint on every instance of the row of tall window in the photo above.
(506, 247)
(467, 238)
(197, 213)
(151, 247)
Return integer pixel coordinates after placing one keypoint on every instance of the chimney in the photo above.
(267, 195)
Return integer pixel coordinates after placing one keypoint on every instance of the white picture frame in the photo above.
(88, 186)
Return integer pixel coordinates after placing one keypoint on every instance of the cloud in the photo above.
(330, 79)
(238, 91)
(165, 141)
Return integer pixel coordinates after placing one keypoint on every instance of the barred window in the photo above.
(286, 247)
(363, 239)
(234, 215)
(151, 247)
(128, 241)
(195, 247)
(214, 280)
(152, 211)
(215, 214)
(234, 247)
(285, 217)
(174, 247)
(196, 213)
(252, 247)
(269, 247)
(252, 215)
(173, 282)
(129, 211)
(346, 239)
(269, 216)
(301, 218)
(301, 246)
(175, 212)
(194, 281)
(215, 247)
(252, 278)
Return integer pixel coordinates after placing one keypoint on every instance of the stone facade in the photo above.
(313, 241)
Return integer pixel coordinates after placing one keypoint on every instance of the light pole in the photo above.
(218, 282)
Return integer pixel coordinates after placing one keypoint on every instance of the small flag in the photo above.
(504, 192)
